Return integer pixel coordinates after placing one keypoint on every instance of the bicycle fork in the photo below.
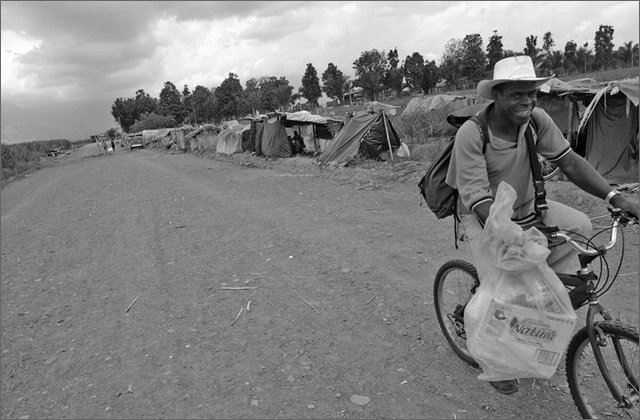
(597, 339)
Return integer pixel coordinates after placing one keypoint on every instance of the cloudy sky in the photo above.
(65, 63)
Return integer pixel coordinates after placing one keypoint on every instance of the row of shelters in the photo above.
(599, 119)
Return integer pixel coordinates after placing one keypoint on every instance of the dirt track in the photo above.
(339, 304)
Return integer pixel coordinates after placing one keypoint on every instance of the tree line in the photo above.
(378, 74)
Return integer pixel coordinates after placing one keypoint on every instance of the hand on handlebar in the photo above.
(628, 208)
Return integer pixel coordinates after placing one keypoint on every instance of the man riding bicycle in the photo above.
(476, 175)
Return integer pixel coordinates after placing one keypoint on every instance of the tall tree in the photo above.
(370, 68)
(604, 47)
(627, 54)
(584, 58)
(283, 96)
(414, 70)
(333, 82)
(228, 97)
(531, 48)
(495, 52)
(170, 103)
(144, 103)
(188, 115)
(569, 57)
(451, 63)
(202, 104)
(393, 75)
(268, 86)
(124, 112)
(253, 95)
(474, 60)
(429, 76)
(310, 88)
(547, 55)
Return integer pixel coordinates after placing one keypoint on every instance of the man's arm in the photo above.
(583, 175)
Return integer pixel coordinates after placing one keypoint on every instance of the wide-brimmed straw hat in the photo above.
(511, 69)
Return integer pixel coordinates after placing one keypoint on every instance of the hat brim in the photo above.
(485, 86)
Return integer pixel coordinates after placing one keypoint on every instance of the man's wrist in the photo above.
(611, 194)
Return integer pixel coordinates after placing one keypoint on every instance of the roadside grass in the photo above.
(21, 158)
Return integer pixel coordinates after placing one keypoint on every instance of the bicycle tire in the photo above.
(454, 285)
(548, 169)
(586, 383)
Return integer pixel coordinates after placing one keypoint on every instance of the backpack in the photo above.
(439, 196)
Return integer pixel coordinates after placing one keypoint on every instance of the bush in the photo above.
(20, 158)
(420, 128)
(152, 122)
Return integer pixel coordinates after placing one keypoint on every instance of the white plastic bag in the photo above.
(520, 320)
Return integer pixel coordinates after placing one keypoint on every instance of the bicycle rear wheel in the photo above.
(621, 356)
(454, 285)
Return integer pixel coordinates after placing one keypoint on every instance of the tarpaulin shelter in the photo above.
(317, 131)
(205, 137)
(446, 103)
(366, 134)
(268, 136)
(230, 140)
(611, 125)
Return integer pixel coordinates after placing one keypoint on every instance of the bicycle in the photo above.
(602, 355)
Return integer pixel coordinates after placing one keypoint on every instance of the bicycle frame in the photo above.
(586, 278)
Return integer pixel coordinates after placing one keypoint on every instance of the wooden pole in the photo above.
(570, 124)
(386, 131)
(315, 138)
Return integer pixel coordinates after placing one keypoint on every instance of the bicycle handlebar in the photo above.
(619, 218)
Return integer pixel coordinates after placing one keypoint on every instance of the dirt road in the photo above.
(151, 285)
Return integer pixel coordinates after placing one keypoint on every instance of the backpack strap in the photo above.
(481, 121)
(540, 203)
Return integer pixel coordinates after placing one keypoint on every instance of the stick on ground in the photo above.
(237, 316)
(312, 307)
(134, 301)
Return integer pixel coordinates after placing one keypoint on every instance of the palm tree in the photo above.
(283, 96)
(626, 53)
(254, 99)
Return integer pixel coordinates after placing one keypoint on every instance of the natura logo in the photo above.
(531, 328)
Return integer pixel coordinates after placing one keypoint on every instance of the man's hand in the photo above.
(621, 202)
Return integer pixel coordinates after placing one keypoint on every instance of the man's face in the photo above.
(516, 100)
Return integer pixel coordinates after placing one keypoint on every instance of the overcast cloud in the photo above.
(65, 63)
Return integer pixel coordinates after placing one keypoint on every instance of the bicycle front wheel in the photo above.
(454, 285)
(588, 387)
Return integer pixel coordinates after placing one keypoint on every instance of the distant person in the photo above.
(113, 145)
(298, 143)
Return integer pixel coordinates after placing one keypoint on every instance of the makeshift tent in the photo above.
(446, 103)
(366, 135)
(611, 125)
(316, 131)
(268, 137)
(205, 137)
(230, 140)
(375, 106)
